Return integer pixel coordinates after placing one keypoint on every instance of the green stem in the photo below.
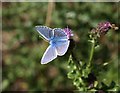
(91, 52)
(76, 61)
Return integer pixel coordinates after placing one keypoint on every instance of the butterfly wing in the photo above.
(62, 47)
(45, 31)
(59, 34)
(49, 55)
(61, 41)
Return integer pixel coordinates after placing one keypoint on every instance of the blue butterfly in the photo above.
(58, 40)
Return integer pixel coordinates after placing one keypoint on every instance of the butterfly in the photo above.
(58, 40)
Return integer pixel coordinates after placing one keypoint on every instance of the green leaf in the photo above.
(112, 85)
(104, 86)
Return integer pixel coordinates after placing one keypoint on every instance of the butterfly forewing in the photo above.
(45, 31)
(49, 55)
(59, 34)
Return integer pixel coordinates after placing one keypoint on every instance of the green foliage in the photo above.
(83, 75)
(77, 74)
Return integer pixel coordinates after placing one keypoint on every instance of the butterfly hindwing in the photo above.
(45, 31)
(62, 47)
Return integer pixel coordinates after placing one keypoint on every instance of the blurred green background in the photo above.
(22, 48)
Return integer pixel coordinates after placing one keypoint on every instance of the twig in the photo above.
(51, 5)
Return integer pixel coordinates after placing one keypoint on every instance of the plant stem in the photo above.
(91, 52)
(51, 5)
(76, 61)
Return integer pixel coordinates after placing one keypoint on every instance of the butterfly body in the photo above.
(58, 41)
